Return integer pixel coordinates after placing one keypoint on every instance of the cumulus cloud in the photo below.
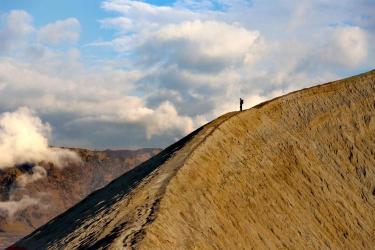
(24, 138)
(185, 63)
(13, 206)
(351, 45)
(154, 15)
(98, 97)
(205, 62)
(83, 102)
(202, 55)
(133, 27)
(62, 31)
(14, 28)
(215, 45)
(165, 119)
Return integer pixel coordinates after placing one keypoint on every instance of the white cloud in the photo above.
(88, 97)
(23, 138)
(189, 61)
(162, 120)
(138, 19)
(198, 40)
(121, 23)
(62, 31)
(165, 119)
(210, 57)
(14, 29)
(152, 13)
(206, 62)
(19, 22)
(351, 45)
(233, 105)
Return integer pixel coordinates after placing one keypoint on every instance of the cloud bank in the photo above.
(164, 70)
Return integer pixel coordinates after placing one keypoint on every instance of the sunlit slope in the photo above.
(296, 172)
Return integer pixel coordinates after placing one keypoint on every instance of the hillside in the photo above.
(60, 189)
(295, 172)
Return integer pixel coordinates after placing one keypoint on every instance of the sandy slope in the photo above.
(296, 172)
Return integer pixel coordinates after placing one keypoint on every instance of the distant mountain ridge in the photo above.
(61, 188)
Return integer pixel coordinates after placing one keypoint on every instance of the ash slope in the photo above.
(295, 172)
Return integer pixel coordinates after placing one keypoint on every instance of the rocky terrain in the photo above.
(297, 172)
(60, 189)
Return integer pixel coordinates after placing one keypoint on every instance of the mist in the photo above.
(24, 139)
(12, 206)
(37, 172)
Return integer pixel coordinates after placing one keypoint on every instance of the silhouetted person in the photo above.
(241, 103)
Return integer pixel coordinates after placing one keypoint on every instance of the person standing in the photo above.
(241, 103)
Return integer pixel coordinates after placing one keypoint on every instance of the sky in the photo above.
(128, 74)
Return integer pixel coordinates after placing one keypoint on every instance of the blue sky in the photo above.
(88, 12)
(123, 73)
